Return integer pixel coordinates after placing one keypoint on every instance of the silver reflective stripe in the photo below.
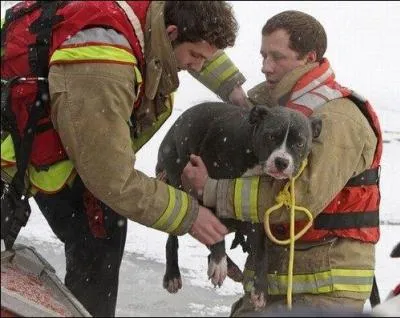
(310, 100)
(98, 35)
(315, 83)
(133, 19)
(328, 92)
(358, 96)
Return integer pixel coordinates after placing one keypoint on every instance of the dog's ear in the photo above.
(257, 113)
(316, 126)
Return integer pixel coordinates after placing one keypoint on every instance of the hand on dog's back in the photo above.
(207, 228)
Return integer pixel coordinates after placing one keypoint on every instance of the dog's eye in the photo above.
(271, 137)
(300, 144)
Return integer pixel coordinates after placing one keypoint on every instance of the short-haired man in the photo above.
(113, 69)
(334, 260)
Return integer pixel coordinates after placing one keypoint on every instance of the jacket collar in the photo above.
(161, 64)
(261, 94)
(283, 90)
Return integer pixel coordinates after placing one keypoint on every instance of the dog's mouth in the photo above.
(278, 175)
(273, 170)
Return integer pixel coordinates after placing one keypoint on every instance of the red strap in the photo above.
(396, 291)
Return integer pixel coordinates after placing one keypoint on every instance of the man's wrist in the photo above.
(210, 193)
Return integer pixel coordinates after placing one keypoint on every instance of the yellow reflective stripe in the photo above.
(237, 199)
(7, 150)
(215, 83)
(254, 199)
(227, 73)
(246, 198)
(219, 70)
(214, 64)
(93, 52)
(53, 179)
(145, 136)
(354, 280)
(138, 75)
(175, 211)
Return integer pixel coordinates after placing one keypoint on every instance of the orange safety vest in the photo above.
(354, 212)
(23, 29)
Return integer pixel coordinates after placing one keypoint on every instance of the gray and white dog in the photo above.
(234, 142)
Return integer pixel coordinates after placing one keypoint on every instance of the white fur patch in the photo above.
(218, 271)
(281, 152)
(257, 170)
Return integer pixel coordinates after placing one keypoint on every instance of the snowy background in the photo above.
(363, 52)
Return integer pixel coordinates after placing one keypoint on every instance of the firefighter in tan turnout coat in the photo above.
(334, 260)
(113, 69)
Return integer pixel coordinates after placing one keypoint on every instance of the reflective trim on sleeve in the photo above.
(246, 198)
(93, 53)
(217, 71)
(175, 212)
(353, 280)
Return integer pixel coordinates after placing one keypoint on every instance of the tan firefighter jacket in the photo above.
(91, 107)
(344, 149)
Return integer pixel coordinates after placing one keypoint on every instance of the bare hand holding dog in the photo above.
(194, 176)
(238, 97)
(207, 228)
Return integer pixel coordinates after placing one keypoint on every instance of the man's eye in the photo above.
(196, 56)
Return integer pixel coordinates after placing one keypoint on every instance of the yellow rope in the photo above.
(287, 198)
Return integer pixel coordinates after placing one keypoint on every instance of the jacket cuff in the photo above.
(228, 85)
(220, 75)
(225, 195)
(190, 217)
(210, 193)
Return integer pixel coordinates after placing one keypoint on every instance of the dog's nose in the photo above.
(281, 163)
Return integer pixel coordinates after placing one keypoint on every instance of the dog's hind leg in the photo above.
(217, 264)
(260, 259)
(172, 279)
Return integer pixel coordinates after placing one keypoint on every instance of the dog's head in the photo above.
(282, 139)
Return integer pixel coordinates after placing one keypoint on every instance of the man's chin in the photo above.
(270, 84)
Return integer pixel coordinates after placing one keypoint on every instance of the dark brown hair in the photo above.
(211, 21)
(306, 34)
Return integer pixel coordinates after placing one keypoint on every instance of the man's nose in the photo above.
(197, 66)
(267, 66)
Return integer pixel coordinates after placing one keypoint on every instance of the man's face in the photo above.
(278, 58)
(191, 56)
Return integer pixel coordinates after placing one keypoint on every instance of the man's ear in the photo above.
(316, 126)
(311, 57)
(172, 32)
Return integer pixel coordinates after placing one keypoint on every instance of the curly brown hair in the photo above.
(306, 33)
(211, 21)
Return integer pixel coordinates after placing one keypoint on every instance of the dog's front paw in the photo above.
(172, 283)
(257, 298)
(217, 271)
